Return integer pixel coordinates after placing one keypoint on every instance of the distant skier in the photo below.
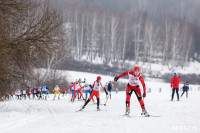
(64, 90)
(109, 89)
(77, 86)
(18, 94)
(72, 91)
(160, 89)
(88, 89)
(133, 86)
(185, 89)
(45, 89)
(56, 91)
(24, 94)
(175, 86)
(28, 92)
(80, 81)
(96, 88)
(39, 92)
(35, 94)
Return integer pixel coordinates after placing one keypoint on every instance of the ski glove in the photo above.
(116, 78)
(144, 95)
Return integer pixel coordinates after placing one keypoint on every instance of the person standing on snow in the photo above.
(95, 92)
(28, 92)
(64, 90)
(35, 92)
(39, 92)
(175, 86)
(24, 94)
(77, 87)
(133, 86)
(45, 89)
(185, 89)
(88, 89)
(56, 91)
(72, 91)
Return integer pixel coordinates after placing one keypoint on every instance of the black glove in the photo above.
(116, 78)
(106, 93)
(144, 95)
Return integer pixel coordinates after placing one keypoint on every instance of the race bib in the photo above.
(133, 80)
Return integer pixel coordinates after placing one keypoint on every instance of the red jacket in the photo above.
(63, 89)
(175, 82)
(139, 76)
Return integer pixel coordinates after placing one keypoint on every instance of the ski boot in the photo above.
(145, 113)
(127, 111)
(58, 98)
(98, 109)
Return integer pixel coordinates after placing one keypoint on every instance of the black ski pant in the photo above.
(173, 91)
(184, 92)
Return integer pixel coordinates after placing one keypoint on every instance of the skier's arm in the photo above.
(180, 80)
(71, 86)
(82, 81)
(122, 75)
(143, 84)
(81, 86)
(104, 89)
(171, 82)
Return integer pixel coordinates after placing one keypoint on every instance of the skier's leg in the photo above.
(80, 93)
(139, 97)
(177, 93)
(58, 95)
(173, 91)
(182, 93)
(74, 96)
(98, 99)
(86, 95)
(128, 96)
(187, 94)
(91, 96)
(55, 95)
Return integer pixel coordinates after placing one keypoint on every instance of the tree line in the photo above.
(30, 31)
(95, 32)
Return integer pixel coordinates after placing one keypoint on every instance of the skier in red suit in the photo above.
(95, 92)
(77, 86)
(133, 86)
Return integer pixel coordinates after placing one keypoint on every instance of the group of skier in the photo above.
(31, 93)
(91, 90)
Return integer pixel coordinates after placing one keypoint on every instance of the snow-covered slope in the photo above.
(60, 116)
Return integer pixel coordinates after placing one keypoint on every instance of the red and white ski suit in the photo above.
(133, 86)
(77, 87)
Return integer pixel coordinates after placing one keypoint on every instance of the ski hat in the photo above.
(79, 79)
(136, 68)
(99, 77)
(72, 82)
(174, 74)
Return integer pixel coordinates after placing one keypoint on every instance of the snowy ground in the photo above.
(60, 116)
(37, 116)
